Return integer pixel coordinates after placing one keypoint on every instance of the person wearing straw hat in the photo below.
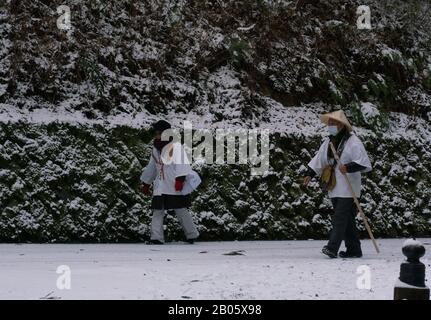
(353, 161)
(173, 180)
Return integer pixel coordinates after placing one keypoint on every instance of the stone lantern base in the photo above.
(411, 294)
(411, 283)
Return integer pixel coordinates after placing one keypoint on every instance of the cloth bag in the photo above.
(328, 178)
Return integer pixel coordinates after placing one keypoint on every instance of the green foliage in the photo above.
(93, 73)
(427, 81)
(239, 51)
(378, 123)
(99, 5)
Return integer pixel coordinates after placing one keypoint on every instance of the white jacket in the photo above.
(164, 167)
(354, 151)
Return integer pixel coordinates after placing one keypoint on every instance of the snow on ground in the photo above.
(261, 270)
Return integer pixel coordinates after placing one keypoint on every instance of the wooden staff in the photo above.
(364, 218)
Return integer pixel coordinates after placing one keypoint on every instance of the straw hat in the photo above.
(337, 116)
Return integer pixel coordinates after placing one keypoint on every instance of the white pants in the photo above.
(183, 217)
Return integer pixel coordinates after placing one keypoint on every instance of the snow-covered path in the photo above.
(265, 270)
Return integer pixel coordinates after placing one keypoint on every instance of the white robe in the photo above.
(174, 163)
(354, 151)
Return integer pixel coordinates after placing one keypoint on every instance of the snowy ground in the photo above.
(265, 270)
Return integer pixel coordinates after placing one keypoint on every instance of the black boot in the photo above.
(190, 241)
(155, 242)
(328, 252)
(350, 254)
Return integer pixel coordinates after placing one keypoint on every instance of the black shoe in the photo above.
(156, 242)
(328, 252)
(190, 241)
(350, 254)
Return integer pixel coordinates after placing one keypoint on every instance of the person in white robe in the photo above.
(172, 178)
(354, 161)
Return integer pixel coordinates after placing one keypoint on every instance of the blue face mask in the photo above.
(333, 130)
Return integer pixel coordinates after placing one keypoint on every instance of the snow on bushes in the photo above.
(166, 56)
(75, 182)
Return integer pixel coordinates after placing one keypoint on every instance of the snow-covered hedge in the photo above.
(72, 182)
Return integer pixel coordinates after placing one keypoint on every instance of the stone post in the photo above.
(411, 283)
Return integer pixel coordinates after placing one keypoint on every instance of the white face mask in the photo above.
(333, 130)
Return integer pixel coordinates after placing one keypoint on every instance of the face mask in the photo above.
(333, 130)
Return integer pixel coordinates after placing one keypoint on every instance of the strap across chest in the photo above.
(158, 160)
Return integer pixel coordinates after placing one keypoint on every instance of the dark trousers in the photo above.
(344, 226)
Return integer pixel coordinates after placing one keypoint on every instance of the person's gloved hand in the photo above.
(145, 188)
(179, 184)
